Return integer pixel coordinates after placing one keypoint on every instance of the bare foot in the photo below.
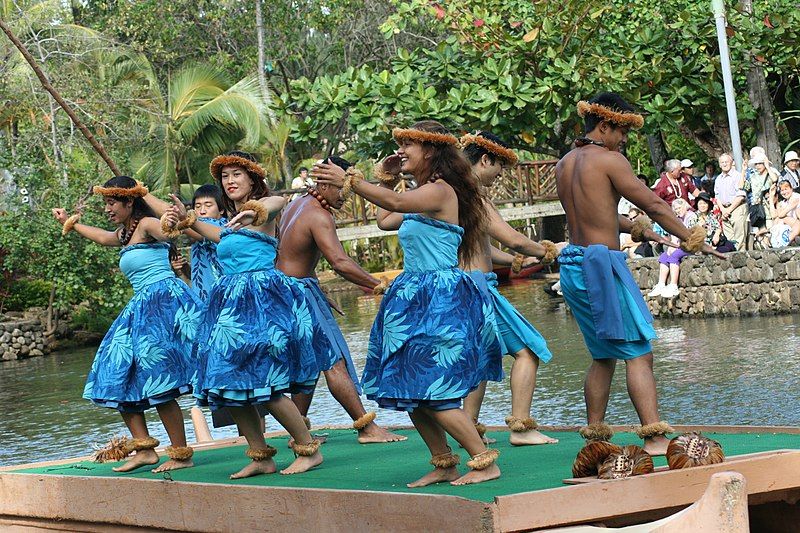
(172, 464)
(318, 436)
(656, 445)
(256, 468)
(303, 463)
(373, 433)
(437, 475)
(142, 458)
(478, 476)
(527, 438)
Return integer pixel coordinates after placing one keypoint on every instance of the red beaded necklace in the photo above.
(126, 234)
(322, 201)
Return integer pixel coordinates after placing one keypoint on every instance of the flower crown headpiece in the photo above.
(630, 120)
(221, 161)
(140, 191)
(411, 134)
(506, 154)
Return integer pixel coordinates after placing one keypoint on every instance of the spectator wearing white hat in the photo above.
(790, 170)
(674, 184)
(687, 171)
(758, 185)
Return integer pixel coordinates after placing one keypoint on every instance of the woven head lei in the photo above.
(506, 154)
(139, 191)
(221, 161)
(618, 118)
(411, 134)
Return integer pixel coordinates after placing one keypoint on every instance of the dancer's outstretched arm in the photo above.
(98, 235)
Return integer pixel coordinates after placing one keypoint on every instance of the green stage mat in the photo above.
(388, 467)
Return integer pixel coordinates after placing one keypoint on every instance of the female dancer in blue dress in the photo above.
(427, 347)
(147, 357)
(255, 342)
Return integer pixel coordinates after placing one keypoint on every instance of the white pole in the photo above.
(718, 6)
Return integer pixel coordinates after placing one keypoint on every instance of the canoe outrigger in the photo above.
(362, 488)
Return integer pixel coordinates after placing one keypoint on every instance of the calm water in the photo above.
(710, 371)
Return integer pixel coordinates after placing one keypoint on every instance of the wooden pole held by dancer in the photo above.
(64, 105)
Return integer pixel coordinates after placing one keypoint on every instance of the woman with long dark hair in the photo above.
(255, 343)
(146, 358)
(428, 345)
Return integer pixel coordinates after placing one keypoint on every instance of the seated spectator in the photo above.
(670, 259)
(790, 170)
(706, 217)
(672, 184)
(635, 250)
(624, 206)
(784, 214)
(303, 181)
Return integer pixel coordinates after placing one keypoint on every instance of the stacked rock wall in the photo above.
(20, 339)
(758, 282)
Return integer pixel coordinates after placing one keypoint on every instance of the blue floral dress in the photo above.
(255, 341)
(434, 338)
(205, 266)
(147, 356)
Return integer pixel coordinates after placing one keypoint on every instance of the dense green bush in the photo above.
(26, 293)
(92, 320)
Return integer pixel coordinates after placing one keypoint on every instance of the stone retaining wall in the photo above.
(746, 283)
(20, 339)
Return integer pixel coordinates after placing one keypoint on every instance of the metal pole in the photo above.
(718, 6)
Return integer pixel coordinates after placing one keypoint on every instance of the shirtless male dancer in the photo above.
(597, 284)
(308, 232)
(518, 338)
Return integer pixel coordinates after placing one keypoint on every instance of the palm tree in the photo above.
(203, 115)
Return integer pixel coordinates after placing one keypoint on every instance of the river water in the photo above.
(709, 371)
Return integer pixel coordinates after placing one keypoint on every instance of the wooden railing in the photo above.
(527, 183)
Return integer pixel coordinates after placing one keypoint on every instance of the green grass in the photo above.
(388, 467)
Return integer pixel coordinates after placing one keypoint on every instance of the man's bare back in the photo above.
(299, 253)
(590, 180)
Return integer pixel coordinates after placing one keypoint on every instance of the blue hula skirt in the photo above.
(433, 341)
(147, 357)
(255, 342)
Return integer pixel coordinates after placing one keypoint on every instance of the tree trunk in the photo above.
(766, 130)
(262, 77)
(658, 150)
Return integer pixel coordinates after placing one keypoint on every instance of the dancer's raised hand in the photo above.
(60, 214)
(328, 173)
(177, 207)
(244, 218)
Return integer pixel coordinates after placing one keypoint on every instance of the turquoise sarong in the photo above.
(514, 332)
(607, 304)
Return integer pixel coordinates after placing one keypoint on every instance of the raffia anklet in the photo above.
(654, 430)
(483, 460)
(258, 208)
(179, 453)
(364, 421)
(638, 230)
(445, 460)
(480, 428)
(696, 240)
(136, 445)
(307, 422)
(69, 224)
(306, 450)
(520, 425)
(596, 431)
(261, 454)
(383, 176)
(115, 450)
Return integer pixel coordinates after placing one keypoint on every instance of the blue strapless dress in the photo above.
(147, 356)
(256, 338)
(434, 338)
(205, 267)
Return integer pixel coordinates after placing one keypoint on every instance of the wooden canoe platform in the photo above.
(72, 495)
